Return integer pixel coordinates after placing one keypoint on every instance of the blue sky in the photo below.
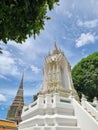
(74, 25)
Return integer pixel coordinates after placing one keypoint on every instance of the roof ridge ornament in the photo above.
(55, 51)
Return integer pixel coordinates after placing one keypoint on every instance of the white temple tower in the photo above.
(56, 107)
(57, 74)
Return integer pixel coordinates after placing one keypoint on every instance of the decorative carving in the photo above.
(57, 74)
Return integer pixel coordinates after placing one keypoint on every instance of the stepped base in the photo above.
(49, 112)
(53, 128)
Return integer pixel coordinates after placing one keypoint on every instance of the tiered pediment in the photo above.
(54, 58)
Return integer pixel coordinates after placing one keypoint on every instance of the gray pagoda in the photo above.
(15, 110)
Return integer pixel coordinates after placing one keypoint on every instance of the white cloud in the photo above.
(2, 98)
(69, 14)
(31, 49)
(88, 24)
(4, 77)
(35, 69)
(85, 39)
(7, 64)
(2, 108)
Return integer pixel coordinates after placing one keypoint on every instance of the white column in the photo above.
(58, 72)
(55, 122)
(40, 100)
(83, 101)
(49, 68)
(36, 124)
(53, 68)
(57, 69)
(48, 99)
(48, 103)
(49, 73)
(45, 122)
(53, 73)
(56, 98)
(95, 102)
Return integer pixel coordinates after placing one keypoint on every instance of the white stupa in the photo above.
(57, 74)
(57, 106)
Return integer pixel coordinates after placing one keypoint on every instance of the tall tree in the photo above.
(85, 76)
(22, 18)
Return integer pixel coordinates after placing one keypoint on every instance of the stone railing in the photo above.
(85, 120)
(47, 100)
(26, 108)
(92, 108)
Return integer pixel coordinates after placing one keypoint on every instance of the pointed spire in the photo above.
(49, 53)
(55, 51)
(21, 82)
(17, 105)
(55, 46)
(20, 90)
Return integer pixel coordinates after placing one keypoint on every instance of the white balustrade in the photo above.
(40, 100)
(91, 110)
(85, 120)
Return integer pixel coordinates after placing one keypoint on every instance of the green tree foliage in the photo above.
(85, 76)
(22, 18)
(35, 96)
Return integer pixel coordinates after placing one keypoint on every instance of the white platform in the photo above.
(49, 112)
(52, 112)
